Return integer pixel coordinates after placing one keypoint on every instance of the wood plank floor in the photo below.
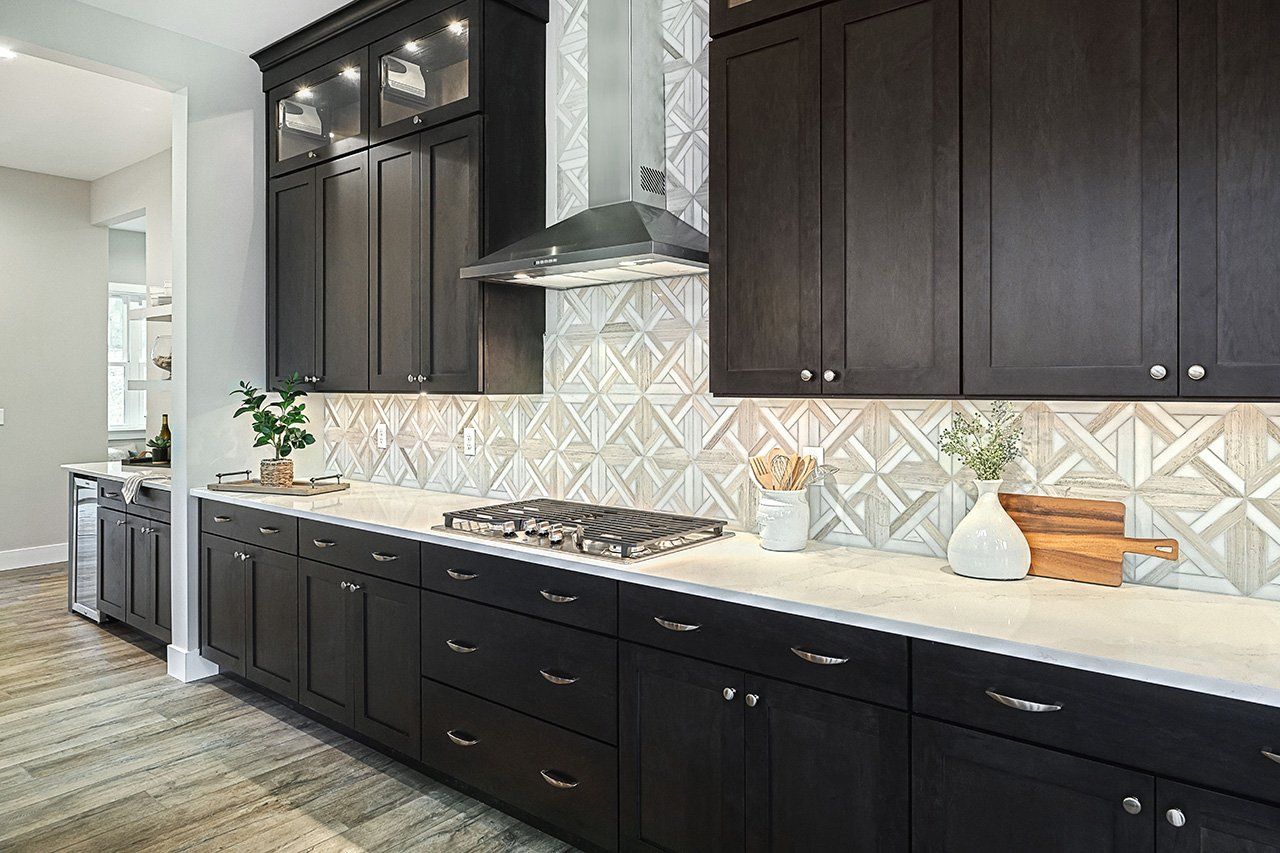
(101, 750)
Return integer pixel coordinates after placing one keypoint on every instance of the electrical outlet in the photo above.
(469, 441)
(815, 452)
(380, 436)
(1, 417)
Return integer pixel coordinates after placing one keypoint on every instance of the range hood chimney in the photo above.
(626, 234)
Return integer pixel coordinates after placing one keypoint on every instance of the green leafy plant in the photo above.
(159, 442)
(985, 443)
(278, 424)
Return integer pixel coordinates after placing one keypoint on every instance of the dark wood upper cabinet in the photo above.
(766, 307)
(394, 268)
(823, 772)
(320, 115)
(680, 748)
(1229, 191)
(1070, 197)
(427, 73)
(1192, 820)
(890, 198)
(978, 792)
(292, 295)
(342, 274)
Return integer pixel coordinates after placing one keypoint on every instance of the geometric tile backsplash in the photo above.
(626, 417)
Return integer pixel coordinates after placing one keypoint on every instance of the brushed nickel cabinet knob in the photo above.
(829, 376)
(1158, 371)
(728, 694)
(1195, 372)
(1175, 817)
(1132, 805)
(806, 376)
(751, 700)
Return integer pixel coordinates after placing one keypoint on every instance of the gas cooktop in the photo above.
(616, 533)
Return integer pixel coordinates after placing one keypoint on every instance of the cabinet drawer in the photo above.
(842, 659)
(374, 554)
(147, 502)
(111, 494)
(1176, 733)
(252, 526)
(565, 779)
(584, 601)
(560, 674)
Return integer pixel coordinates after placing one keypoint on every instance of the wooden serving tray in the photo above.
(300, 488)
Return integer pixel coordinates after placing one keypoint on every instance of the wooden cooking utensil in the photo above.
(1079, 540)
(804, 468)
(760, 468)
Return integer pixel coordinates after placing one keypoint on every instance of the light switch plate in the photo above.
(380, 436)
(1, 417)
(469, 441)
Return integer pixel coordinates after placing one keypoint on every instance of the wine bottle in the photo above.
(164, 428)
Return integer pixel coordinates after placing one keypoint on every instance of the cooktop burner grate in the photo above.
(617, 532)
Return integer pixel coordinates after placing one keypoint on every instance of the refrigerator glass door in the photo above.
(83, 565)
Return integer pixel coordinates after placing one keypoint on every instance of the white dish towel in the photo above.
(134, 482)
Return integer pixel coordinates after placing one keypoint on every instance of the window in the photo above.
(126, 358)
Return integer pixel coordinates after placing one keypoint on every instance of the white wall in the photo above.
(126, 255)
(218, 244)
(53, 357)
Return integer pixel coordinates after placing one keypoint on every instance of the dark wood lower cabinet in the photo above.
(222, 603)
(271, 620)
(823, 772)
(1192, 820)
(384, 661)
(680, 753)
(974, 791)
(148, 560)
(113, 562)
(324, 636)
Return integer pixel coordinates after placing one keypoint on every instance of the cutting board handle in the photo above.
(1166, 548)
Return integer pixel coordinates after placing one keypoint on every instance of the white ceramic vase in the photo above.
(986, 543)
(784, 519)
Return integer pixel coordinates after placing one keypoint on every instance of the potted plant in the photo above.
(278, 425)
(987, 543)
(159, 448)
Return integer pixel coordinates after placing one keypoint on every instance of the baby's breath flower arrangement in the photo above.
(986, 443)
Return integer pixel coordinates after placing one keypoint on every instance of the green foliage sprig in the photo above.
(277, 424)
(985, 443)
(159, 442)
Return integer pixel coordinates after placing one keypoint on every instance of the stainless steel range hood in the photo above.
(626, 234)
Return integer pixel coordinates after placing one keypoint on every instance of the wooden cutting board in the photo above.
(1079, 540)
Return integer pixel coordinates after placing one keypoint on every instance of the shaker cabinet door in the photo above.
(292, 305)
(342, 274)
(325, 640)
(271, 621)
(394, 271)
(1229, 191)
(890, 198)
(113, 568)
(766, 311)
(1070, 210)
(386, 677)
(1192, 820)
(222, 603)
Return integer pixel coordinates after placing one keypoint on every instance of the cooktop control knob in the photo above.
(555, 535)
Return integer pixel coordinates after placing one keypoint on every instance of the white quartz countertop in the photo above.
(119, 471)
(1210, 643)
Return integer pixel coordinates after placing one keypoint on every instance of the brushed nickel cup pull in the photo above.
(323, 543)
(268, 531)
(1176, 817)
(461, 576)
(1023, 704)
(460, 648)
(675, 626)
(811, 657)
(221, 519)
(558, 679)
(384, 558)
(111, 494)
(462, 738)
(1132, 805)
(558, 780)
(1272, 755)
(556, 598)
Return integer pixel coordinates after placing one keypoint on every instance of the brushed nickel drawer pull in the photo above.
(558, 780)
(268, 531)
(556, 598)
(354, 587)
(221, 519)
(675, 626)
(384, 558)
(111, 494)
(462, 738)
(461, 576)
(822, 660)
(1023, 704)
(460, 648)
(1272, 755)
(558, 679)
(119, 522)
(323, 543)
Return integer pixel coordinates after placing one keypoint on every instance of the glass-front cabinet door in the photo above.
(319, 115)
(425, 74)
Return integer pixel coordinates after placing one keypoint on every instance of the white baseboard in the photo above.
(40, 555)
(188, 666)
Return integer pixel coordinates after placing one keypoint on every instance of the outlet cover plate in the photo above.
(469, 441)
(380, 436)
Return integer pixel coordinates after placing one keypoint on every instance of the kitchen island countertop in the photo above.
(118, 471)
(1217, 644)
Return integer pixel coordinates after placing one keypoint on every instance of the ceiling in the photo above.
(65, 121)
(239, 25)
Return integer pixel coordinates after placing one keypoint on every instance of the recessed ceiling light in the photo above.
(7, 54)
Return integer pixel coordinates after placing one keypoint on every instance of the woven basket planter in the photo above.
(277, 472)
